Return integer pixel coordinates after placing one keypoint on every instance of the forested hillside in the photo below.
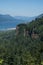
(23, 46)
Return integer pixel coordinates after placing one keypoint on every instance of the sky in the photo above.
(21, 7)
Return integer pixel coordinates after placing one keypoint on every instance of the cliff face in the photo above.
(21, 29)
(33, 29)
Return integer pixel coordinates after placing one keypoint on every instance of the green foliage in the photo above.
(20, 49)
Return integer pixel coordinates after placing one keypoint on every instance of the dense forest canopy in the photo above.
(23, 46)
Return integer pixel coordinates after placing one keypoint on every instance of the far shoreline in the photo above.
(7, 29)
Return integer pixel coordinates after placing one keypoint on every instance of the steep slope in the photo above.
(22, 50)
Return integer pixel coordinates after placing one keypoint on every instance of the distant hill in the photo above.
(10, 18)
(41, 15)
(7, 18)
(28, 19)
(7, 21)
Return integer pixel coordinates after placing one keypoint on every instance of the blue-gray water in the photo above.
(9, 24)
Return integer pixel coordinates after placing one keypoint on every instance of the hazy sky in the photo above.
(21, 7)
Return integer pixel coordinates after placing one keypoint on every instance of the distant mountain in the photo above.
(7, 21)
(39, 16)
(10, 18)
(28, 19)
(6, 18)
